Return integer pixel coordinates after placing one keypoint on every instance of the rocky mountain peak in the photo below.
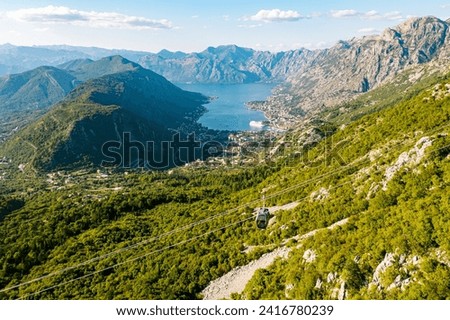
(362, 64)
(389, 34)
(227, 64)
(166, 54)
(343, 44)
(415, 24)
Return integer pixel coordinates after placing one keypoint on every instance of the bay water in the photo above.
(227, 111)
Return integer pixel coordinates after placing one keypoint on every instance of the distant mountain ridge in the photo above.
(415, 41)
(312, 80)
(17, 59)
(41, 87)
(227, 64)
(222, 64)
(361, 64)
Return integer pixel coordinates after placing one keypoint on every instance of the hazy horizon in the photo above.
(152, 26)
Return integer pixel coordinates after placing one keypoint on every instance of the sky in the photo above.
(194, 25)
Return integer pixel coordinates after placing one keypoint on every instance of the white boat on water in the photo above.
(257, 124)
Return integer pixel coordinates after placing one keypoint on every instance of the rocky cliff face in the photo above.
(359, 65)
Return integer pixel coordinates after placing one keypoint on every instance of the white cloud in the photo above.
(368, 30)
(344, 13)
(65, 15)
(394, 15)
(369, 15)
(374, 15)
(276, 15)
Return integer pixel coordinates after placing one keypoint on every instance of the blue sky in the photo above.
(152, 25)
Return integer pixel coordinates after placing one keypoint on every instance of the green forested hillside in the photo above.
(138, 102)
(147, 235)
(26, 96)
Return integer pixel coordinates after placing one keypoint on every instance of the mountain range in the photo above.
(17, 59)
(357, 187)
(227, 64)
(114, 96)
(361, 64)
(362, 213)
(313, 80)
(26, 96)
(223, 64)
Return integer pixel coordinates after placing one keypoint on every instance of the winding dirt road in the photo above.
(237, 279)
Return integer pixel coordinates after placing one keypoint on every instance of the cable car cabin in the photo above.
(262, 218)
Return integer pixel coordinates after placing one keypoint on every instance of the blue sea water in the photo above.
(228, 111)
